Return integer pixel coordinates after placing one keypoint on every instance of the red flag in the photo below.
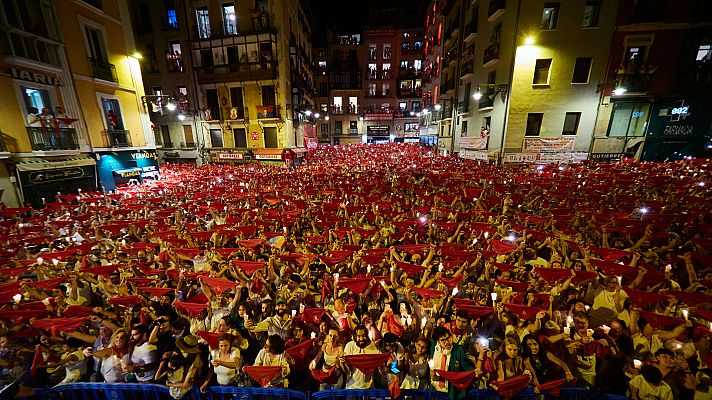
(523, 312)
(612, 268)
(251, 244)
(583, 276)
(198, 298)
(642, 298)
(77, 311)
(394, 325)
(104, 270)
(226, 252)
(313, 315)
(659, 321)
(609, 254)
(14, 271)
(451, 283)
(325, 290)
(126, 301)
(192, 309)
(37, 360)
(54, 325)
(706, 314)
(553, 387)
(461, 380)
(517, 286)
(219, 285)
(331, 261)
(413, 248)
(48, 284)
(211, 338)
(249, 267)
(552, 275)
(357, 285)
(19, 317)
(509, 388)
(367, 363)
(331, 376)
(155, 291)
(427, 294)
(472, 308)
(502, 247)
(410, 269)
(691, 298)
(394, 389)
(301, 354)
(263, 374)
(188, 252)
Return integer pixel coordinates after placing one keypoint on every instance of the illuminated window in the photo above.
(591, 11)
(704, 52)
(629, 119)
(550, 16)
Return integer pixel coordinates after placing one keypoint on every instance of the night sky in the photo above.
(354, 14)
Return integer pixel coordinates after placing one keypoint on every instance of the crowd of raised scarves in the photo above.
(369, 266)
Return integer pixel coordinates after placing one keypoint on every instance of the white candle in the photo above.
(294, 313)
(424, 321)
(440, 267)
(569, 320)
(620, 279)
(685, 313)
(494, 296)
(40, 260)
(606, 329)
(431, 364)
(17, 298)
(454, 291)
(336, 277)
(368, 269)
(637, 364)
(486, 235)
(55, 261)
(313, 335)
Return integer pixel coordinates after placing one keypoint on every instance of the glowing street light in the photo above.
(477, 95)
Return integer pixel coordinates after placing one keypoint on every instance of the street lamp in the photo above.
(619, 91)
(498, 88)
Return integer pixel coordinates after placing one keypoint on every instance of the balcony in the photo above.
(49, 139)
(175, 62)
(486, 102)
(103, 70)
(379, 94)
(187, 146)
(466, 69)
(491, 56)
(169, 26)
(410, 93)
(269, 111)
(409, 73)
(246, 71)
(633, 82)
(117, 138)
(353, 131)
(2, 144)
(495, 9)
(373, 75)
(470, 31)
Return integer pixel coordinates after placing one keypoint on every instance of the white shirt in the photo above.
(438, 364)
(357, 379)
(143, 355)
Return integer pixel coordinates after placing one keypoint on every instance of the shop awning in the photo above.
(299, 151)
(42, 164)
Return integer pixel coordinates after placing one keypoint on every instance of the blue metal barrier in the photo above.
(373, 394)
(137, 391)
(250, 393)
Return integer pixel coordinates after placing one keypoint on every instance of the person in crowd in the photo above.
(273, 355)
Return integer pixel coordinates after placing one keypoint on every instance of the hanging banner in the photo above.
(473, 142)
(549, 145)
(545, 158)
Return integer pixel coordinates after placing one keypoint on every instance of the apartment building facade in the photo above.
(73, 118)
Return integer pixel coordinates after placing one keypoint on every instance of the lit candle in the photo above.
(393, 269)
(368, 269)
(454, 292)
(569, 320)
(40, 260)
(431, 363)
(486, 235)
(294, 313)
(336, 277)
(685, 313)
(637, 364)
(383, 283)
(17, 298)
(606, 329)
(440, 267)
(313, 335)
(494, 296)
(424, 321)
(620, 279)
(55, 261)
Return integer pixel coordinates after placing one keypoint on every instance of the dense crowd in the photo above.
(369, 266)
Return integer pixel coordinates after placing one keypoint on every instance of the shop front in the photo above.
(229, 157)
(269, 156)
(41, 180)
(677, 129)
(296, 156)
(378, 133)
(122, 168)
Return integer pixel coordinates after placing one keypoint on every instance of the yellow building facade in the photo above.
(73, 93)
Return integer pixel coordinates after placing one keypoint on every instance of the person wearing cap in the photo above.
(183, 368)
(649, 385)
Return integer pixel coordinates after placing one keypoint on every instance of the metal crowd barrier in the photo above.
(137, 391)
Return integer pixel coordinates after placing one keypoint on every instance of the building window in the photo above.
(403, 106)
(322, 53)
(216, 139)
(37, 98)
(410, 126)
(240, 137)
(175, 58)
(353, 127)
(466, 100)
(415, 106)
(534, 124)
(463, 128)
(582, 70)
(171, 16)
(268, 97)
(236, 101)
(371, 51)
(324, 129)
(323, 89)
(629, 119)
(95, 41)
(229, 19)
(541, 71)
(704, 53)
(203, 20)
(112, 113)
(213, 105)
(550, 16)
(591, 11)
(386, 51)
(571, 123)
(386, 89)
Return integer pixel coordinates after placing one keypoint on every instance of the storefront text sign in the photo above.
(473, 142)
(35, 77)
